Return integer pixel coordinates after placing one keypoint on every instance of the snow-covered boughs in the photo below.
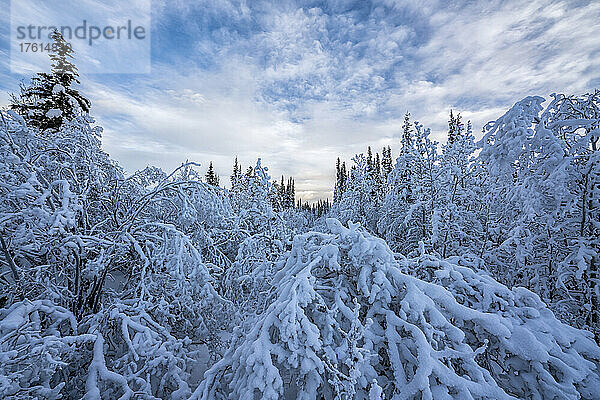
(46, 354)
(248, 282)
(122, 255)
(133, 353)
(525, 199)
(44, 186)
(408, 208)
(178, 285)
(542, 202)
(352, 321)
(37, 340)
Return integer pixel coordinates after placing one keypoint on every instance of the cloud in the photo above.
(299, 83)
(86, 24)
(189, 115)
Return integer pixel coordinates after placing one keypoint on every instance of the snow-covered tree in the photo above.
(567, 138)
(51, 98)
(410, 198)
(456, 227)
(211, 177)
(541, 201)
(360, 200)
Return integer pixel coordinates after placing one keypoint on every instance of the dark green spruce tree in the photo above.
(407, 134)
(211, 177)
(386, 162)
(341, 181)
(290, 193)
(51, 98)
(236, 174)
(455, 128)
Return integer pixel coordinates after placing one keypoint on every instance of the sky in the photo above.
(299, 83)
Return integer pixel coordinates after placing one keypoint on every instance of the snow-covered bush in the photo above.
(37, 340)
(120, 351)
(350, 322)
(133, 353)
(540, 198)
(248, 282)
(120, 254)
(49, 184)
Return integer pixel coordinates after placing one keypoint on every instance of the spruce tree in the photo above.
(455, 128)
(293, 193)
(289, 194)
(280, 195)
(407, 134)
(338, 189)
(51, 99)
(386, 162)
(406, 159)
(236, 174)
(341, 183)
(211, 177)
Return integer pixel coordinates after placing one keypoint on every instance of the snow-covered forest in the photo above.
(464, 270)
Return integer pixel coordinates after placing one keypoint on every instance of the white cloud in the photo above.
(299, 86)
(87, 25)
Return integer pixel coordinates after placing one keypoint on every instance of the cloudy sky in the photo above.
(299, 83)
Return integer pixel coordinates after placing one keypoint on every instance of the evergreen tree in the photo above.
(236, 174)
(341, 181)
(211, 177)
(455, 128)
(404, 163)
(51, 98)
(289, 194)
(386, 162)
(284, 194)
(455, 226)
(409, 202)
(281, 195)
(407, 134)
